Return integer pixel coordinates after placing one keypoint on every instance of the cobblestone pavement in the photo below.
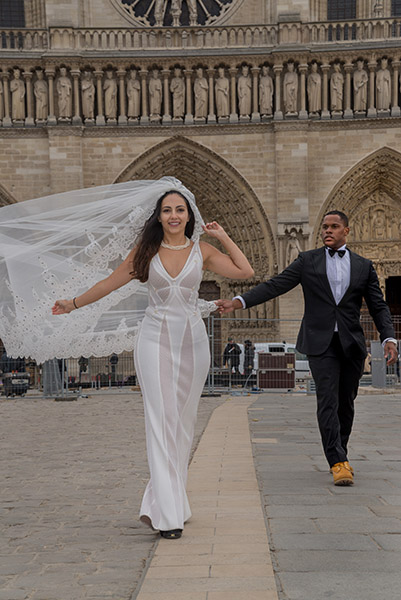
(72, 475)
(339, 543)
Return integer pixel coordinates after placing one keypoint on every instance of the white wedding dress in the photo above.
(172, 361)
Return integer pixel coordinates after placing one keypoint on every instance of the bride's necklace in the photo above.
(170, 247)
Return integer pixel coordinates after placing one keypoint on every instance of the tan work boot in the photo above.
(349, 467)
(342, 473)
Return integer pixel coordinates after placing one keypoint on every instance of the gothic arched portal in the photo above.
(224, 195)
(369, 195)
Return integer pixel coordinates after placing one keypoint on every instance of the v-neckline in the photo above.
(185, 264)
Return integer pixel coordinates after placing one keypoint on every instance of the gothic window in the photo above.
(396, 8)
(12, 13)
(169, 12)
(341, 10)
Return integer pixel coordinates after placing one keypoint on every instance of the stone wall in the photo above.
(292, 170)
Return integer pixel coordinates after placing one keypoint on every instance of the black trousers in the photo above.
(337, 379)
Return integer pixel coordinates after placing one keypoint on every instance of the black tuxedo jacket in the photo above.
(321, 311)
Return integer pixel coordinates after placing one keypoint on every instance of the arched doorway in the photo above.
(369, 195)
(224, 195)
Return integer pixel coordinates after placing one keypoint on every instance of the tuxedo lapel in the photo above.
(319, 264)
(356, 263)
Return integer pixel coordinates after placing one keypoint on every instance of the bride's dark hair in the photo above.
(151, 238)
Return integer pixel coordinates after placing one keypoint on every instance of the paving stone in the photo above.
(337, 586)
(326, 542)
(391, 541)
(71, 497)
(345, 543)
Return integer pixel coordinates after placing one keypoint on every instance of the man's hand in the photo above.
(227, 306)
(390, 352)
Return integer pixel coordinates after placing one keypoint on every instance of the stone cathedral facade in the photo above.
(270, 112)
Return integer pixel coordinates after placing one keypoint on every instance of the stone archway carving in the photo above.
(5, 196)
(222, 194)
(369, 195)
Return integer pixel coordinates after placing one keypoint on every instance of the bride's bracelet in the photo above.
(73, 301)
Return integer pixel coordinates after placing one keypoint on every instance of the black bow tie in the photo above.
(339, 252)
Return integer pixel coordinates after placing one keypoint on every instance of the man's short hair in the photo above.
(342, 216)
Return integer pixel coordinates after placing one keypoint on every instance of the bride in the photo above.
(172, 351)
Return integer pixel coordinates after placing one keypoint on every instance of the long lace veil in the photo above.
(57, 247)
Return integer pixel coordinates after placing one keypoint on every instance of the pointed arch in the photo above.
(369, 195)
(379, 173)
(221, 191)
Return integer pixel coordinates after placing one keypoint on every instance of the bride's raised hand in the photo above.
(62, 307)
(214, 230)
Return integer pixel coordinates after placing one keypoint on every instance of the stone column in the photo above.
(76, 119)
(122, 117)
(144, 119)
(255, 94)
(7, 122)
(211, 118)
(372, 112)
(51, 119)
(189, 117)
(395, 109)
(278, 113)
(325, 96)
(100, 120)
(348, 113)
(303, 69)
(166, 97)
(233, 85)
(30, 120)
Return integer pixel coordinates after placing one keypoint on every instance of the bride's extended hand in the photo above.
(62, 307)
(214, 230)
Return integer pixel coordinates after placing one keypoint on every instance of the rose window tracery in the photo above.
(160, 13)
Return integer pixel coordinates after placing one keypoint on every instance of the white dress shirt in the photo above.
(338, 270)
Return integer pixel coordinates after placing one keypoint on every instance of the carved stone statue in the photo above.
(365, 226)
(155, 95)
(314, 89)
(88, 95)
(395, 223)
(159, 12)
(64, 91)
(41, 93)
(293, 248)
(379, 225)
(361, 79)
(193, 12)
(175, 10)
(110, 95)
(290, 89)
(336, 88)
(244, 89)
(221, 88)
(266, 92)
(383, 86)
(177, 88)
(17, 89)
(201, 87)
(134, 95)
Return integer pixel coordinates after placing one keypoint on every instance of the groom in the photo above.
(334, 282)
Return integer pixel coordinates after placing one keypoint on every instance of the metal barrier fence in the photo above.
(242, 363)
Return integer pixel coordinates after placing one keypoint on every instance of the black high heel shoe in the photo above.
(171, 534)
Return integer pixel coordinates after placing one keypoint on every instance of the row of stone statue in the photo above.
(184, 95)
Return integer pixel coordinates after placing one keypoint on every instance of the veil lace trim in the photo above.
(59, 246)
